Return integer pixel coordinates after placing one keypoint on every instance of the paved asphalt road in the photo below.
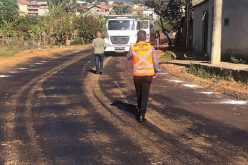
(59, 112)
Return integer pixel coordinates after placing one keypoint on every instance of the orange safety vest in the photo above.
(142, 59)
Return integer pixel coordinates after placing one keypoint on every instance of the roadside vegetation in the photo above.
(165, 56)
(235, 56)
(171, 13)
(9, 51)
(220, 84)
(208, 74)
(61, 27)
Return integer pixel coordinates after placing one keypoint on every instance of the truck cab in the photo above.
(121, 33)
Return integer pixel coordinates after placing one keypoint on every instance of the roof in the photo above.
(22, 2)
(198, 2)
(102, 7)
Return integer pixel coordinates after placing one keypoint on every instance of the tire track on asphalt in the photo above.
(148, 145)
(12, 155)
(184, 139)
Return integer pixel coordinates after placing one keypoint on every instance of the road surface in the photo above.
(58, 111)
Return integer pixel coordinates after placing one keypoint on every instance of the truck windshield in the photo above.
(121, 25)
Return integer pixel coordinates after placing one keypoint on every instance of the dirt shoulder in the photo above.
(231, 88)
(7, 63)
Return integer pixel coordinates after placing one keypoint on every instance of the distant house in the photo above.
(100, 9)
(23, 7)
(234, 28)
(36, 8)
(33, 8)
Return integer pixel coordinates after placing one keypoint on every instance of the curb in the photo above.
(236, 75)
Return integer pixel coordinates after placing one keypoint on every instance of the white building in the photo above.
(149, 13)
(100, 9)
(23, 7)
(111, 2)
(38, 8)
(81, 2)
(33, 8)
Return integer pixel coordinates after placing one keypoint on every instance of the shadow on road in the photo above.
(130, 108)
(92, 71)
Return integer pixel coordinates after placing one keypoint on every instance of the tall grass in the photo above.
(9, 51)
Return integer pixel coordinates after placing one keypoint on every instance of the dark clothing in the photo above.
(142, 86)
(157, 38)
(99, 63)
(143, 83)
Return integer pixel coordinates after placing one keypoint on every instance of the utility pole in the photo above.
(217, 30)
(187, 16)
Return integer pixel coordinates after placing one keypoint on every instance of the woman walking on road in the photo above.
(145, 67)
(99, 46)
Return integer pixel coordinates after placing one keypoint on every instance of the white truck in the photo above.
(122, 33)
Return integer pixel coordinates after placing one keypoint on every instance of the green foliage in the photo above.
(9, 51)
(170, 12)
(166, 56)
(59, 26)
(236, 60)
(210, 73)
(88, 25)
(121, 9)
(8, 11)
(235, 56)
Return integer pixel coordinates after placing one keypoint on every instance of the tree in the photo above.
(8, 11)
(88, 25)
(121, 9)
(170, 12)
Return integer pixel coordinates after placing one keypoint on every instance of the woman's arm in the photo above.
(155, 60)
(130, 55)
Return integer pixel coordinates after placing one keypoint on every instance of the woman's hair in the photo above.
(141, 36)
(98, 34)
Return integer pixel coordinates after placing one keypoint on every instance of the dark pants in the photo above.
(99, 63)
(142, 85)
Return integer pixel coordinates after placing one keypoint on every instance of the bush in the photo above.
(166, 56)
(56, 28)
(235, 56)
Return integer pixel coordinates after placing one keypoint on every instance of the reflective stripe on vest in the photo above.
(143, 67)
(143, 60)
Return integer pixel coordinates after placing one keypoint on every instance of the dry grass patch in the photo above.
(233, 88)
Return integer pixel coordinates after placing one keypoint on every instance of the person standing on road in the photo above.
(145, 67)
(157, 38)
(99, 46)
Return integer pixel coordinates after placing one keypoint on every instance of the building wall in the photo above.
(43, 12)
(94, 10)
(235, 27)
(23, 8)
(198, 26)
(150, 14)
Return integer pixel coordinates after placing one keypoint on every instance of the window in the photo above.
(121, 25)
(226, 22)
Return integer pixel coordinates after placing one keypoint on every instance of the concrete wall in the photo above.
(234, 27)
(198, 26)
(43, 11)
(23, 8)
(94, 10)
(235, 35)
